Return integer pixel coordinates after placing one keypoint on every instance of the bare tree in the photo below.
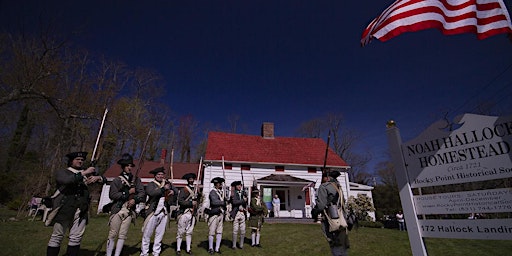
(312, 128)
(343, 142)
(233, 122)
(67, 91)
(186, 130)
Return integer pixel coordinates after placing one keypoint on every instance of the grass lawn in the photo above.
(24, 237)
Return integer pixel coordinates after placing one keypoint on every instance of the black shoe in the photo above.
(178, 253)
(210, 251)
(240, 247)
(52, 251)
(73, 250)
(258, 245)
(252, 245)
(218, 252)
(234, 247)
(189, 252)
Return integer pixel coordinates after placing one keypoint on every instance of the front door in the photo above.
(282, 197)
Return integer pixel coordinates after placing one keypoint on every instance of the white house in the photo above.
(288, 167)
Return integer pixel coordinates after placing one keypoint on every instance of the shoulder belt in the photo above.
(124, 180)
(190, 193)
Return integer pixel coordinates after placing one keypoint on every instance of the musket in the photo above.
(93, 156)
(170, 167)
(243, 184)
(225, 188)
(242, 174)
(141, 162)
(141, 157)
(326, 152)
(244, 194)
(171, 204)
(224, 176)
(167, 192)
(196, 187)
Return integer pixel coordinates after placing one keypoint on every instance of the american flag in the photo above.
(483, 17)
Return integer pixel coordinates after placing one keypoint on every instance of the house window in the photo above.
(311, 170)
(246, 167)
(228, 166)
(279, 168)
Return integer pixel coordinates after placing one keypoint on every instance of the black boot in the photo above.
(73, 250)
(52, 251)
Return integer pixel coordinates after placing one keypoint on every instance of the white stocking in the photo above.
(110, 246)
(119, 246)
(188, 240)
(210, 242)
(178, 244)
(217, 242)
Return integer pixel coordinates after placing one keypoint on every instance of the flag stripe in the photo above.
(422, 8)
(483, 17)
(435, 14)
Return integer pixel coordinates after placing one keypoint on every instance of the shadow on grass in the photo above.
(224, 244)
(127, 250)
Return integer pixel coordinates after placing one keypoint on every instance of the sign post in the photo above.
(406, 197)
(475, 148)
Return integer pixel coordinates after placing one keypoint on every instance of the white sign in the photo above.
(477, 201)
(480, 149)
(494, 229)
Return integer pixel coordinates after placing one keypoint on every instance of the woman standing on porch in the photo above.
(276, 205)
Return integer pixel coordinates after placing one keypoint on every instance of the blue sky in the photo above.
(287, 61)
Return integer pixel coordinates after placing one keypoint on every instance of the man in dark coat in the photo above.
(187, 201)
(216, 215)
(126, 191)
(159, 191)
(238, 213)
(258, 211)
(329, 193)
(71, 204)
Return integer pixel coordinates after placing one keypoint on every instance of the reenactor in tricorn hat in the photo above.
(216, 215)
(338, 240)
(126, 191)
(258, 210)
(159, 191)
(187, 201)
(71, 204)
(238, 213)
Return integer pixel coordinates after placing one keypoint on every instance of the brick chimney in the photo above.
(267, 130)
(163, 156)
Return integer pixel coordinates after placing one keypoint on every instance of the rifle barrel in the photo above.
(326, 151)
(141, 158)
(172, 161)
(93, 156)
(198, 176)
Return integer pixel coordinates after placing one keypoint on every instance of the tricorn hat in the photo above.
(189, 175)
(74, 155)
(255, 190)
(126, 159)
(157, 170)
(334, 173)
(217, 180)
(236, 183)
